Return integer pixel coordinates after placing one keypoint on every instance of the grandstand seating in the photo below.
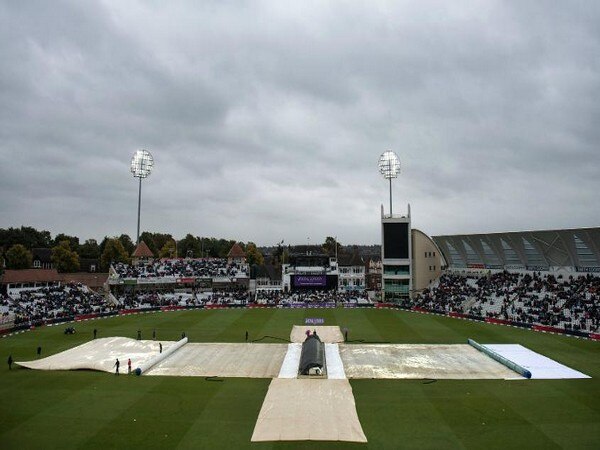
(182, 268)
(276, 297)
(54, 302)
(141, 300)
(570, 303)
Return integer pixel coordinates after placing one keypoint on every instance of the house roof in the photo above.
(265, 271)
(236, 251)
(374, 258)
(314, 250)
(142, 251)
(31, 276)
(350, 260)
(92, 280)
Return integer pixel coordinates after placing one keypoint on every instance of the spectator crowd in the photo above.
(567, 302)
(55, 302)
(277, 297)
(182, 268)
(571, 303)
(143, 300)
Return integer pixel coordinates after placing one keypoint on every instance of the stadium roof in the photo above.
(574, 249)
(31, 276)
(142, 251)
(236, 251)
(93, 280)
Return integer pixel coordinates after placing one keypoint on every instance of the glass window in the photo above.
(510, 255)
(396, 270)
(489, 254)
(455, 259)
(472, 257)
(534, 258)
(584, 254)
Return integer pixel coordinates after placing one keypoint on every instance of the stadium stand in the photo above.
(54, 302)
(569, 303)
(147, 300)
(182, 268)
(276, 297)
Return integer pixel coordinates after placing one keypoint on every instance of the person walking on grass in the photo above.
(10, 361)
(95, 333)
(117, 364)
(39, 351)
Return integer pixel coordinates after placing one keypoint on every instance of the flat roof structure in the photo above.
(576, 249)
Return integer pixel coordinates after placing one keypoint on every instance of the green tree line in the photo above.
(16, 245)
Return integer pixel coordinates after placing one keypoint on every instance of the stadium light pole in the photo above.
(141, 167)
(389, 167)
(335, 249)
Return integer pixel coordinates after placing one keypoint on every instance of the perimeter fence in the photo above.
(492, 320)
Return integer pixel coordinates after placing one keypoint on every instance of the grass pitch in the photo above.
(84, 409)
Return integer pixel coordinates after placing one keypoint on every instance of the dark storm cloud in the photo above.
(266, 119)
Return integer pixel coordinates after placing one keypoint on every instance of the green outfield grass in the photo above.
(84, 409)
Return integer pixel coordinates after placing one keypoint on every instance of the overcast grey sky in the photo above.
(266, 119)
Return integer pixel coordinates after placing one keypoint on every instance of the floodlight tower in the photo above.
(389, 166)
(141, 166)
(396, 242)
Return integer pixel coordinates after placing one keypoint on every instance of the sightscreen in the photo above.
(395, 240)
(310, 280)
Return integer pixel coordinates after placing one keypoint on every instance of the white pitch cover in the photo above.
(335, 366)
(289, 367)
(540, 366)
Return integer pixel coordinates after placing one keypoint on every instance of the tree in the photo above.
(114, 252)
(65, 259)
(73, 241)
(27, 236)
(168, 250)
(18, 257)
(189, 246)
(285, 255)
(160, 239)
(253, 255)
(89, 249)
(210, 247)
(224, 246)
(216, 248)
(127, 244)
(329, 246)
(148, 238)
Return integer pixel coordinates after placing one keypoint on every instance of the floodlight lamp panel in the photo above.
(141, 164)
(389, 165)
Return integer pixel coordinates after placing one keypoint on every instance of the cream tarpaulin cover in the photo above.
(327, 334)
(223, 360)
(100, 354)
(308, 409)
(455, 361)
